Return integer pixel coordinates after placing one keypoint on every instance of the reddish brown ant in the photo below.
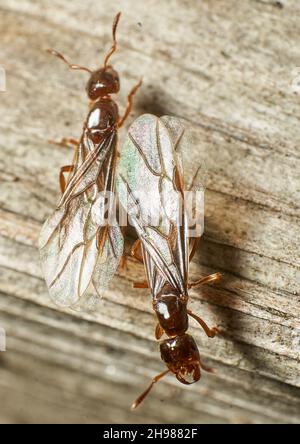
(151, 151)
(76, 247)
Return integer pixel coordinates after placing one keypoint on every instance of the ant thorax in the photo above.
(103, 116)
(171, 312)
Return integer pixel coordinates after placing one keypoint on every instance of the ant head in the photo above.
(102, 82)
(105, 80)
(182, 357)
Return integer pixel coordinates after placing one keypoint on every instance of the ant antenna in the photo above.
(141, 398)
(114, 45)
(70, 65)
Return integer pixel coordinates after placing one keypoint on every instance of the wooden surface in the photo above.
(227, 68)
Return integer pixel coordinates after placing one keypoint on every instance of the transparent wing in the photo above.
(155, 278)
(150, 188)
(194, 173)
(75, 241)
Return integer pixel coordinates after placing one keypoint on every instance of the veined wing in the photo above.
(75, 242)
(194, 174)
(150, 188)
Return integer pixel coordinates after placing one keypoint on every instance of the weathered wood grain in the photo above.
(227, 70)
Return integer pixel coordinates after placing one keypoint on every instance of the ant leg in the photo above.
(134, 251)
(143, 284)
(211, 332)
(135, 255)
(64, 142)
(159, 331)
(139, 258)
(62, 180)
(123, 260)
(141, 398)
(123, 263)
(129, 103)
(194, 245)
(207, 279)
